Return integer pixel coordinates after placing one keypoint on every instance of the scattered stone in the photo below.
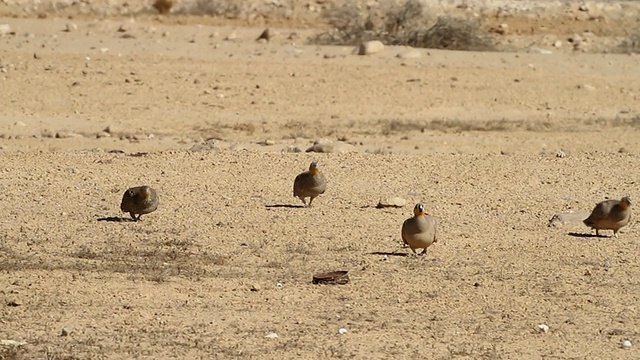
(561, 154)
(102, 134)
(557, 44)
(293, 149)
(265, 36)
(342, 331)
(267, 142)
(14, 303)
(566, 217)
(623, 150)
(255, 287)
(392, 201)
(500, 30)
(5, 29)
(537, 50)
(237, 147)
(19, 123)
(272, 336)
(66, 331)
(70, 27)
(328, 146)
(231, 36)
(207, 145)
(12, 343)
(542, 328)
(370, 47)
(409, 54)
(626, 344)
(66, 135)
(587, 87)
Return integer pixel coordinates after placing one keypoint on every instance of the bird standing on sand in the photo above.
(309, 184)
(610, 215)
(419, 231)
(139, 200)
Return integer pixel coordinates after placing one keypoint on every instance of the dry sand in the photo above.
(493, 143)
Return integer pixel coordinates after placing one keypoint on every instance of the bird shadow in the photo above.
(115, 219)
(289, 206)
(387, 253)
(583, 235)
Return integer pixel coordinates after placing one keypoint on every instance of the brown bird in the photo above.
(419, 231)
(309, 184)
(139, 200)
(610, 215)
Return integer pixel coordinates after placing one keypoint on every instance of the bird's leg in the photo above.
(303, 201)
(414, 252)
(597, 233)
(133, 216)
(615, 233)
(310, 201)
(424, 252)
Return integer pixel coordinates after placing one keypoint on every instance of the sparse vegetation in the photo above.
(402, 24)
(630, 45)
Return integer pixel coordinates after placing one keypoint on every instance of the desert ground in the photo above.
(98, 97)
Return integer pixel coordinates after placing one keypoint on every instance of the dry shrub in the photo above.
(229, 9)
(163, 6)
(630, 45)
(453, 34)
(401, 24)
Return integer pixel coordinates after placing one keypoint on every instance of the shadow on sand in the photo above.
(116, 219)
(587, 235)
(284, 206)
(388, 253)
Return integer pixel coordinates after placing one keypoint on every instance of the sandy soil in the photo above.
(493, 143)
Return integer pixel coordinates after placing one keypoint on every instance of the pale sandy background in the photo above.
(494, 143)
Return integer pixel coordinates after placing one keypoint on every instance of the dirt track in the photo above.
(493, 143)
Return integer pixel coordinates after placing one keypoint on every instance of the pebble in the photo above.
(231, 36)
(12, 343)
(254, 287)
(626, 344)
(342, 331)
(328, 146)
(543, 328)
(208, 145)
(370, 47)
(409, 54)
(70, 27)
(5, 29)
(66, 135)
(392, 201)
(272, 336)
(566, 217)
(66, 331)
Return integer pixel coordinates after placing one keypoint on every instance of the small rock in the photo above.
(12, 343)
(409, 54)
(255, 287)
(267, 142)
(231, 36)
(293, 149)
(393, 201)
(561, 154)
(328, 146)
(265, 35)
(537, 50)
(66, 331)
(13, 303)
(237, 147)
(586, 87)
(626, 344)
(19, 123)
(370, 47)
(566, 217)
(70, 27)
(557, 44)
(542, 328)
(66, 135)
(102, 134)
(207, 145)
(272, 336)
(5, 29)
(342, 331)
(623, 150)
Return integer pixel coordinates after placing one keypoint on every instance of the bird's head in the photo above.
(145, 192)
(313, 168)
(418, 210)
(625, 202)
